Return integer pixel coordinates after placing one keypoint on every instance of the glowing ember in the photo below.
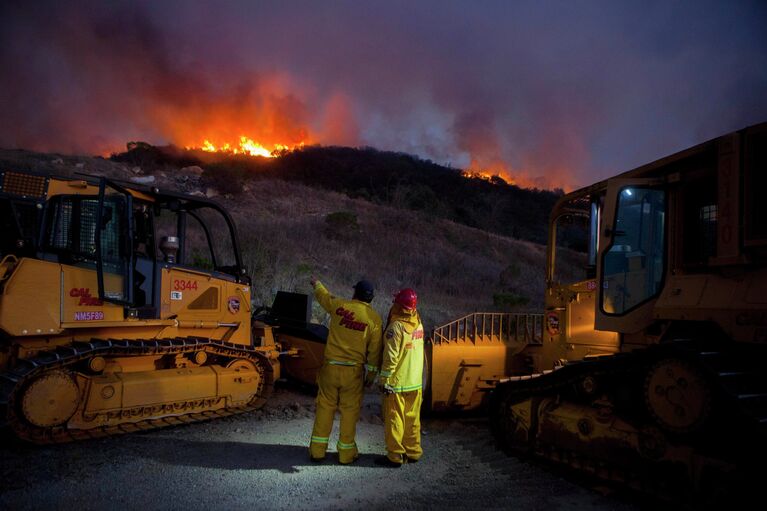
(246, 146)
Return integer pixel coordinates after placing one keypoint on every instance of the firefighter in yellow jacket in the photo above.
(401, 381)
(353, 348)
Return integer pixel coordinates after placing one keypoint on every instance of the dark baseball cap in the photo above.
(364, 290)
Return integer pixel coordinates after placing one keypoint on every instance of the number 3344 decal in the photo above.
(183, 285)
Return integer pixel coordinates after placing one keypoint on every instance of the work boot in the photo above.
(384, 461)
(316, 460)
(350, 462)
(408, 459)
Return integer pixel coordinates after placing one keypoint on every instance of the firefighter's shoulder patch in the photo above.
(389, 333)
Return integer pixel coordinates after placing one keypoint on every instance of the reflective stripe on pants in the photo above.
(340, 387)
(402, 425)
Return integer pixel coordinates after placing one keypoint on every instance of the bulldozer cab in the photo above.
(609, 257)
(572, 284)
(674, 248)
(128, 237)
(125, 252)
(93, 232)
(632, 253)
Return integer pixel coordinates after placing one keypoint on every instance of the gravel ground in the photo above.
(260, 460)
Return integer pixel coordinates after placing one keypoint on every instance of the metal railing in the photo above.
(493, 326)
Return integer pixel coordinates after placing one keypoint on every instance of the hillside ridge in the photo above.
(384, 177)
(290, 231)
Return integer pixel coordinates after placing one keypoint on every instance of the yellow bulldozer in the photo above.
(647, 365)
(122, 308)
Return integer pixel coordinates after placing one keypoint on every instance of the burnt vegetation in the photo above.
(397, 179)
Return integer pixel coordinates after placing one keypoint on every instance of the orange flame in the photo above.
(494, 170)
(487, 176)
(246, 146)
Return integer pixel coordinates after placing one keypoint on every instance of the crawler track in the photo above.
(14, 381)
(732, 406)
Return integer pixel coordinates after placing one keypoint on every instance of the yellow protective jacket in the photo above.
(402, 364)
(355, 331)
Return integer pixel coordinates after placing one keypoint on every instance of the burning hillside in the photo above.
(127, 80)
(400, 180)
(245, 146)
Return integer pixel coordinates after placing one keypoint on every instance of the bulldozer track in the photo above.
(26, 370)
(736, 383)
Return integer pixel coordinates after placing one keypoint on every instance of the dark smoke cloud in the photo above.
(555, 93)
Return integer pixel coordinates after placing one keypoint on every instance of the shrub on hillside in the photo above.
(224, 179)
(341, 225)
(509, 275)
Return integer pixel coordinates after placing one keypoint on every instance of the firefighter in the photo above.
(353, 349)
(400, 381)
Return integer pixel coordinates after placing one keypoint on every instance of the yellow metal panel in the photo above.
(167, 385)
(238, 384)
(682, 291)
(106, 393)
(721, 293)
(455, 383)
(132, 364)
(305, 365)
(80, 297)
(180, 289)
(236, 309)
(71, 187)
(263, 334)
(81, 187)
(113, 391)
(579, 327)
(125, 323)
(570, 333)
(30, 303)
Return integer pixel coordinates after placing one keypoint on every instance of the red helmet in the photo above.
(406, 298)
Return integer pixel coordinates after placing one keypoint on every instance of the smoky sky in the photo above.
(555, 94)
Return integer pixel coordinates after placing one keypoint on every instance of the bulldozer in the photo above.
(647, 365)
(122, 308)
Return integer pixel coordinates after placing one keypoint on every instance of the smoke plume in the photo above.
(547, 94)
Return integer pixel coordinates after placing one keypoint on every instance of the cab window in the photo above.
(71, 231)
(633, 267)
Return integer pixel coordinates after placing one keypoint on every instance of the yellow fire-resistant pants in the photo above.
(340, 386)
(402, 425)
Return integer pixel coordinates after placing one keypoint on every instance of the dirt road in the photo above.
(260, 460)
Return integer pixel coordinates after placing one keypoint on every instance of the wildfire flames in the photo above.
(490, 177)
(245, 146)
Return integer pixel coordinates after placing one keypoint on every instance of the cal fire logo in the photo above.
(347, 320)
(233, 304)
(83, 294)
(417, 335)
